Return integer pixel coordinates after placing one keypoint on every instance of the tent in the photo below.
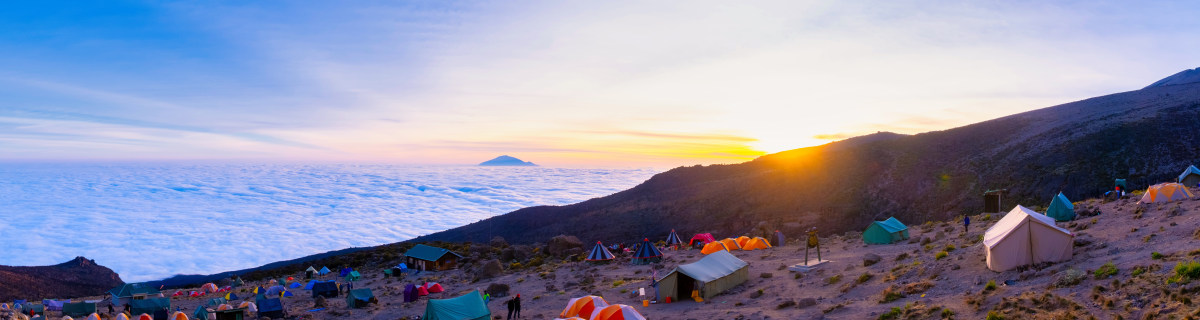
(275, 291)
(78, 309)
(122, 316)
(885, 232)
(756, 244)
(434, 287)
(308, 273)
(779, 239)
(328, 289)
(742, 240)
(422, 291)
(410, 293)
(469, 306)
(673, 240)
(201, 313)
(600, 254)
(147, 316)
(1190, 177)
(54, 305)
(324, 270)
(237, 283)
(1061, 209)
(208, 288)
(180, 316)
(271, 308)
(353, 276)
(310, 284)
(231, 296)
(345, 271)
(249, 306)
(93, 316)
(583, 307)
(1166, 192)
(701, 238)
(287, 294)
(154, 306)
(731, 244)
(1025, 237)
(216, 301)
(359, 298)
(618, 312)
(714, 247)
(715, 273)
(295, 285)
(646, 253)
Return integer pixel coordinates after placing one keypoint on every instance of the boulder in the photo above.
(498, 242)
(870, 259)
(320, 302)
(491, 269)
(497, 290)
(806, 302)
(516, 253)
(559, 245)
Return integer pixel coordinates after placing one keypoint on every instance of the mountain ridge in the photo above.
(75, 278)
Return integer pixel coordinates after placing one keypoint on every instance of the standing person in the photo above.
(517, 305)
(110, 309)
(966, 223)
(509, 303)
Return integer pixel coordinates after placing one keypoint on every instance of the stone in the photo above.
(806, 302)
(559, 245)
(319, 302)
(871, 259)
(497, 290)
(491, 269)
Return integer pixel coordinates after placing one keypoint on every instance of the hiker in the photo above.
(966, 223)
(128, 308)
(510, 309)
(110, 309)
(517, 305)
(486, 297)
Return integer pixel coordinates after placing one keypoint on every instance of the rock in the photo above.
(870, 259)
(319, 302)
(498, 242)
(755, 294)
(577, 251)
(914, 240)
(517, 253)
(806, 302)
(955, 267)
(491, 269)
(939, 236)
(766, 275)
(926, 240)
(1083, 240)
(559, 245)
(551, 288)
(497, 290)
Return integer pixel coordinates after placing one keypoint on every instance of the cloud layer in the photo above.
(153, 220)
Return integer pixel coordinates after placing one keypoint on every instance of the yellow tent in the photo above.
(742, 241)
(731, 244)
(756, 243)
(713, 247)
(1166, 192)
(179, 316)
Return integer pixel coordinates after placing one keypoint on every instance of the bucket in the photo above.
(645, 303)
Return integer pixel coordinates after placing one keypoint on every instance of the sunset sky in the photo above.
(560, 83)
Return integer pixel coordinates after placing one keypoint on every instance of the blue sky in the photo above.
(558, 83)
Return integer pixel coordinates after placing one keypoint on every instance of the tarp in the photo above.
(1166, 192)
(310, 284)
(673, 239)
(1025, 237)
(715, 273)
(466, 307)
(1190, 176)
(1061, 209)
(583, 307)
(359, 298)
(885, 232)
(78, 309)
(54, 305)
(714, 247)
(150, 305)
(646, 253)
(600, 254)
(327, 289)
(701, 238)
(295, 285)
(618, 312)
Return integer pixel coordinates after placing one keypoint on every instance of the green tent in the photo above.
(201, 313)
(714, 274)
(1061, 209)
(149, 305)
(885, 232)
(124, 293)
(238, 282)
(359, 298)
(353, 276)
(80, 309)
(469, 306)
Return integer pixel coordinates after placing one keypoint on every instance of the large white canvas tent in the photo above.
(1026, 237)
(713, 274)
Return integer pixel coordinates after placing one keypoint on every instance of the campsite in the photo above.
(1089, 265)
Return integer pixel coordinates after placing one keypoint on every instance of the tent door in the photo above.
(684, 286)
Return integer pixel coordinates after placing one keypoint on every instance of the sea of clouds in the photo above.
(149, 221)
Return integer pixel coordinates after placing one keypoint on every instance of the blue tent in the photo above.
(345, 271)
(310, 284)
(673, 240)
(294, 285)
(600, 254)
(231, 296)
(885, 232)
(323, 271)
(1190, 177)
(646, 253)
(287, 293)
(271, 308)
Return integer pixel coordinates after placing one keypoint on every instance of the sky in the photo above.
(560, 83)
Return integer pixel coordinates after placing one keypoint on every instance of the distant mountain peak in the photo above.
(506, 160)
(1183, 77)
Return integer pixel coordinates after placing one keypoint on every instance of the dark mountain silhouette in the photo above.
(76, 278)
(1146, 136)
(1183, 77)
(507, 161)
(195, 280)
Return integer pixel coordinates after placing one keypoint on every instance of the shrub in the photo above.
(986, 217)
(892, 314)
(618, 283)
(864, 277)
(1185, 272)
(1137, 271)
(929, 247)
(950, 247)
(902, 256)
(1156, 256)
(992, 315)
(834, 279)
(891, 293)
(991, 285)
(947, 313)
(940, 255)
(1105, 271)
(1069, 278)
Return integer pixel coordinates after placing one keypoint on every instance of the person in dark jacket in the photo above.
(510, 309)
(966, 223)
(517, 305)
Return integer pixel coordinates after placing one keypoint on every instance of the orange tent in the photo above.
(618, 312)
(713, 247)
(1166, 192)
(145, 317)
(224, 307)
(742, 241)
(756, 244)
(179, 316)
(209, 288)
(731, 244)
(583, 307)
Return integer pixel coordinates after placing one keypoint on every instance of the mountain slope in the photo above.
(1146, 136)
(1183, 77)
(76, 278)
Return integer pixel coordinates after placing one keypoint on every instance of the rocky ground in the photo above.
(1124, 267)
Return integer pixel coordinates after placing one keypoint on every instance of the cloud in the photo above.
(206, 218)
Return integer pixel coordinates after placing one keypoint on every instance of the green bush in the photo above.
(991, 285)
(950, 247)
(947, 313)
(892, 314)
(834, 279)
(992, 315)
(618, 283)
(1105, 271)
(1185, 272)
(1156, 256)
(865, 277)
(986, 217)
(940, 255)
(1138, 271)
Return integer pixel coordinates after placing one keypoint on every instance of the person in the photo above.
(128, 308)
(966, 223)
(509, 304)
(486, 297)
(110, 309)
(517, 305)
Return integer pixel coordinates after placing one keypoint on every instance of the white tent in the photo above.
(1026, 237)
